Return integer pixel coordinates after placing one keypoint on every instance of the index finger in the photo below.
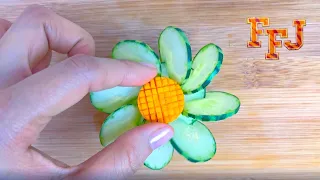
(36, 31)
(34, 100)
(4, 26)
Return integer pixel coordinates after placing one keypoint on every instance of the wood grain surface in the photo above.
(276, 133)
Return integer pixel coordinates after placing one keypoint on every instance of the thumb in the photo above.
(127, 154)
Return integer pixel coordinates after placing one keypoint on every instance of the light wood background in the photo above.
(276, 133)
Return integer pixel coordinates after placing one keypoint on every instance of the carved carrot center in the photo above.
(161, 100)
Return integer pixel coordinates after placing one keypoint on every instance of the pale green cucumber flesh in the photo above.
(205, 66)
(193, 141)
(197, 95)
(175, 51)
(215, 106)
(186, 119)
(164, 72)
(120, 121)
(137, 51)
(160, 157)
(111, 99)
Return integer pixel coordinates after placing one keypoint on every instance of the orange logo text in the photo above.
(273, 43)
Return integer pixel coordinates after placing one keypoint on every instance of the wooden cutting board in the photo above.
(276, 133)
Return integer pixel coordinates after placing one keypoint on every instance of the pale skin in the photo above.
(32, 92)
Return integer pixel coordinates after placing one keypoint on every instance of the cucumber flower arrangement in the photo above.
(176, 96)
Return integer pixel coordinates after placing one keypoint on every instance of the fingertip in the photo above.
(150, 74)
(161, 136)
(138, 74)
(152, 68)
(158, 134)
(150, 65)
(127, 153)
(5, 24)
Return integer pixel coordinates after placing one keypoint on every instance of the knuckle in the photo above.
(83, 66)
(35, 9)
(37, 13)
(79, 62)
(130, 158)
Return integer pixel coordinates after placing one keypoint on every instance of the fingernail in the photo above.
(160, 137)
(148, 64)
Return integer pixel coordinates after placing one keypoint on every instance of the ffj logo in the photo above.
(272, 33)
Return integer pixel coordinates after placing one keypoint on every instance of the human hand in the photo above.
(31, 93)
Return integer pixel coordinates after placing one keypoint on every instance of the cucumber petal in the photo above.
(120, 121)
(137, 51)
(111, 99)
(175, 52)
(160, 157)
(197, 95)
(193, 141)
(205, 66)
(164, 72)
(215, 106)
(186, 119)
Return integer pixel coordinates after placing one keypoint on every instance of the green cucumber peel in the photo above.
(193, 141)
(137, 51)
(206, 65)
(109, 100)
(216, 106)
(117, 123)
(160, 157)
(175, 52)
(197, 95)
